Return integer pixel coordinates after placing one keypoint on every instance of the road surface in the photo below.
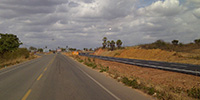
(175, 67)
(58, 77)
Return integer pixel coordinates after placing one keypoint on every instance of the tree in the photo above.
(85, 49)
(175, 42)
(104, 39)
(197, 41)
(160, 43)
(119, 43)
(90, 49)
(40, 50)
(63, 49)
(72, 49)
(112, 45)
(32, 48)
(108, 44)
(104, 42)
(8, 42)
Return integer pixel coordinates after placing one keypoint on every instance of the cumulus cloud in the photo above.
(83, 23)
(196, 13)
(162, 8)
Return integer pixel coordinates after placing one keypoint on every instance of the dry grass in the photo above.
(154, 54)
(9, 63)
(172, 85)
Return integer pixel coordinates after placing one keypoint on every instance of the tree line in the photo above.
(175, 45)
(176, 42)
(111, 44)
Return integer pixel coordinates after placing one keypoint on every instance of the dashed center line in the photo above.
(29, 91)
(27, 94)
(39, 77)
(45, 69)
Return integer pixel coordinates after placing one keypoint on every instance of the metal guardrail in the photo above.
(175, 67)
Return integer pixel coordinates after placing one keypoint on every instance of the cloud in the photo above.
(162, 8)
(196, 13)
(83, 23)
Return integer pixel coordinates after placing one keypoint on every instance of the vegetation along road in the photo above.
(58, 77)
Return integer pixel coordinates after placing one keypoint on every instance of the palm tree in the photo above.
(104, 42)
(119, 43)
(104, 39)
(112, 45)
(108, 44)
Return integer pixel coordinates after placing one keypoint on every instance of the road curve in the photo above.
(58, 77)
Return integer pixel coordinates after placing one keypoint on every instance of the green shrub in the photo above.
(94, 66)
(104, 69)
(151, 91)
(89, 59)
(90, 64)
(194, 92)
(133, 83)
(80, 60)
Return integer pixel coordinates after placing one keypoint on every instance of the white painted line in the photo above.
(177, 65)
(153, 63)
(117, 98)
(175, 69)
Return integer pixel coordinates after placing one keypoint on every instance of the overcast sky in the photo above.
(83, 23)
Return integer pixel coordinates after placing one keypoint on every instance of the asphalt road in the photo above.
(58, 77)
(176, 67)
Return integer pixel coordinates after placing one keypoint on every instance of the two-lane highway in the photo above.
(58, 77)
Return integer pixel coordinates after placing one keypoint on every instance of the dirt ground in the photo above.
(172, 83)
(153, 54)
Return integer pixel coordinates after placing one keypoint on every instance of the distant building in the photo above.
(59, 50)
(33, 51)
(46, 50)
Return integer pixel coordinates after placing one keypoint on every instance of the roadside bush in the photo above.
(104, 69)
(80, 60)
(89, 59)
(20, 52)
(133, 83)
(194, 92)
(90, 64)
(7, 58)
(151, 90)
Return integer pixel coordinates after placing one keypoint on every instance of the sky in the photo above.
(84, 23)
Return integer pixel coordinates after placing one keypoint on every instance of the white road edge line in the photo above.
(117, 98)
(174, 69)
(178, 65)
(14, 67)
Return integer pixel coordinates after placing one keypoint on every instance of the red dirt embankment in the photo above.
(153, 54)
